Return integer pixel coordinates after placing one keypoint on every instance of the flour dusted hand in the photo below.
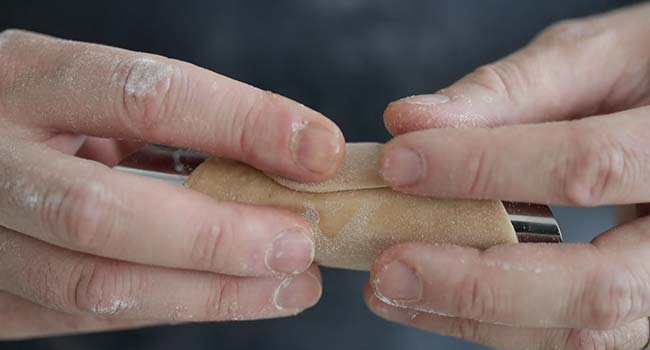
(563, 121)
(83, 247)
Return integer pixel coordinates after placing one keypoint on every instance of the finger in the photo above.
(559, 76)
(22, 319)
(107, 151)
(76, 283)
(84, 206)
(66, 143)
(632, 336)
(593, 161)
(96, 90)
(525, 285)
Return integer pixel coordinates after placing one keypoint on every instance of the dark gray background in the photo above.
(345, 58)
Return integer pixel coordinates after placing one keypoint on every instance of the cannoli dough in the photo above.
(355, 215)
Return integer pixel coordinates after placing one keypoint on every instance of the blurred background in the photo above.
(345, 58)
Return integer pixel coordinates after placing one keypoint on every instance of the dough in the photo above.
(360, 171)
(355, 215)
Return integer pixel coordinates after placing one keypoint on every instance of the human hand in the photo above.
(512, 130)
(83, 247)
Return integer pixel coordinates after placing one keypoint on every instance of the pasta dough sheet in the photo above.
(355, 216)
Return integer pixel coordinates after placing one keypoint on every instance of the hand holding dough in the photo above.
(355, 215)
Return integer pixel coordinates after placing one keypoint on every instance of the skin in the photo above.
(85, 248)
(563, 121)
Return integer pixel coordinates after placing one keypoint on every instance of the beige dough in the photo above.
(355, 216)
(360, 171)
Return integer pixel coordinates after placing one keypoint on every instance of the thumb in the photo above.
(573, 69)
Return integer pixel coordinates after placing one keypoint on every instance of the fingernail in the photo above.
(394, 313)
(297, 292)
(427, 100)
(315, 147)
(401, 166)
(397, 283)
(292, 251)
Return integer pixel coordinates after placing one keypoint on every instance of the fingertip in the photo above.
(276, 135)
(291, 252)
(317, 147)
(429, 111)
(387, 255)
(418, 255)
(306, 145)
(299, 292)
(401, 165)
(401, 117)
(263, 241)
(372, 302)
(385, 310)
(390, 257)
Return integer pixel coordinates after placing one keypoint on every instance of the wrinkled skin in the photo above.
(84, 247)
(563, 121)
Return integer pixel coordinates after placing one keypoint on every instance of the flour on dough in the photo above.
(360, 171)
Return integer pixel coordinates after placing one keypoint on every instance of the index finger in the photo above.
(74, 87)
(588, 162)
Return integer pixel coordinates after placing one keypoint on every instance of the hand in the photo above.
(83, 247)
(512, 130)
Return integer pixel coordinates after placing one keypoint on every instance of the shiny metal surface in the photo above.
(162, 163)
(532, 222)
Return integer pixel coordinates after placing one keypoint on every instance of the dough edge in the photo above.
(360, 171)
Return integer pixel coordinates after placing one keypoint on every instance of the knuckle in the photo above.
(8, 33)
(147, 87)
(209, 248)
(565, 28)
(81, 217)
(466, 329)
(569, 30)
(6, 38)
(607, 301)
(44, 283)
(7, 58)
(594, 164)
(224, 303)
(575, 36)
(475, 299)
(504, 78)
(584, 339)
(14, 32)
(481, 174)
(9, 36)
(247, 125)
(101, 287)
(12, 48)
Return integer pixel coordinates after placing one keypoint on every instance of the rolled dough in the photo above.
(355, 216)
